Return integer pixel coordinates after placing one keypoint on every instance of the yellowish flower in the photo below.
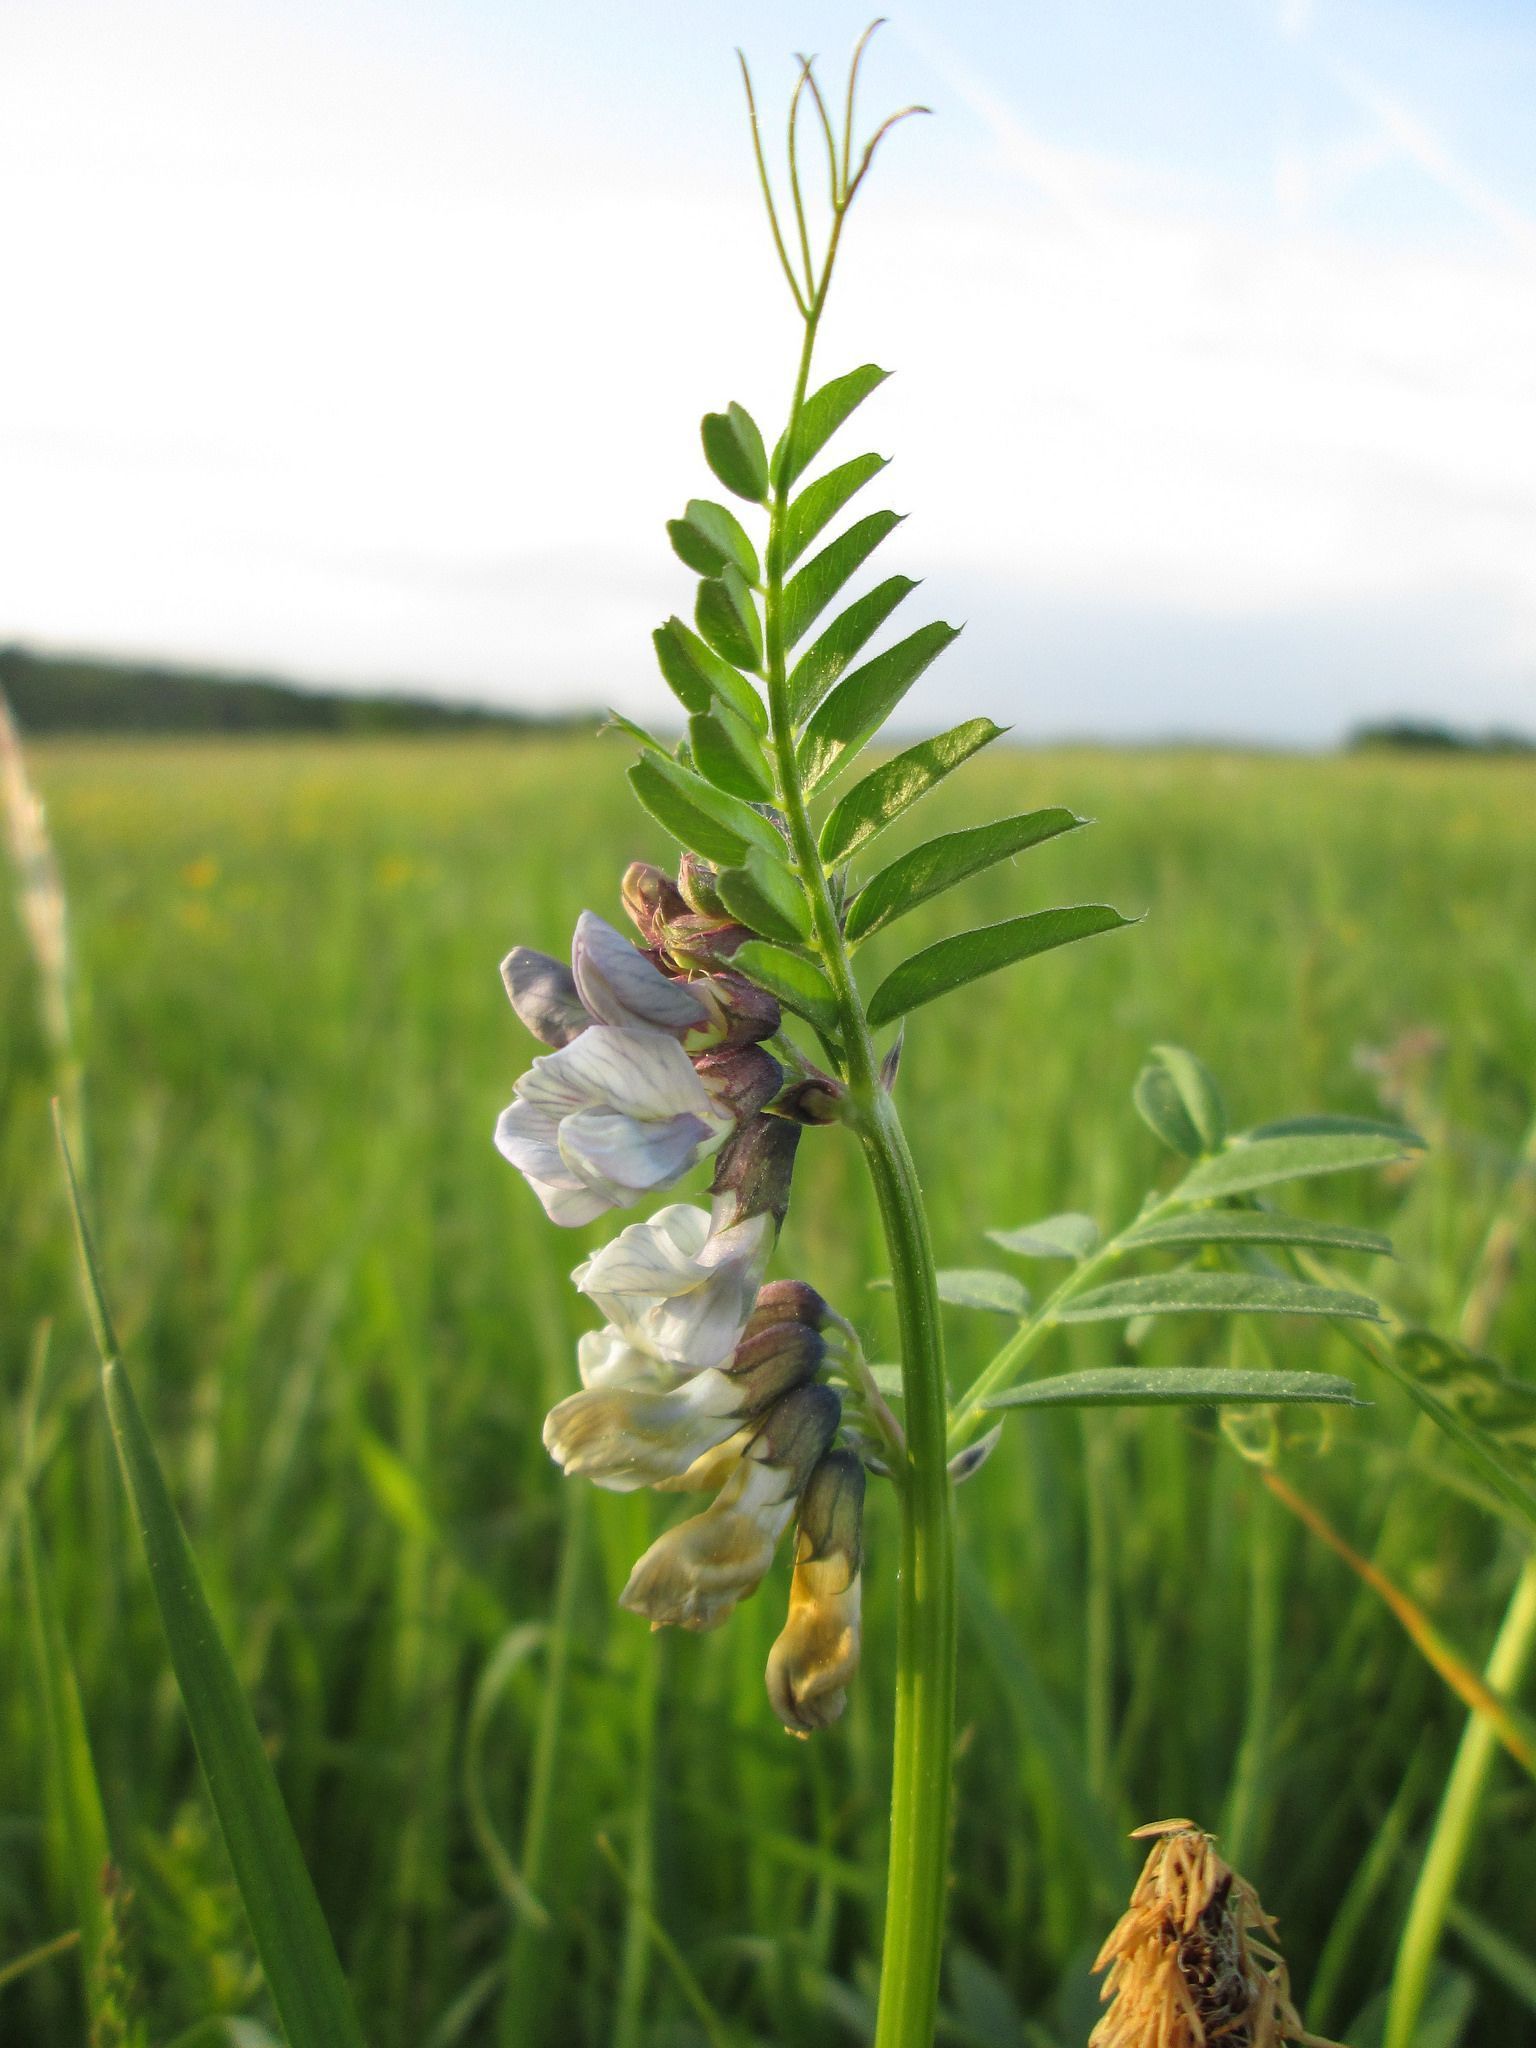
(695, 1574)
(817, 1653)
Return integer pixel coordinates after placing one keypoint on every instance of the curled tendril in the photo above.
(843, 180)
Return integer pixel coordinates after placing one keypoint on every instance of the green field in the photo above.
(346, 1315)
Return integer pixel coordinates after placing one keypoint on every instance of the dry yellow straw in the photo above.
(1192, 1963)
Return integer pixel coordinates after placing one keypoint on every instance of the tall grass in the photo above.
(346, 1318)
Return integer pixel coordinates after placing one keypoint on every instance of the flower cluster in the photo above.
(703, 1377)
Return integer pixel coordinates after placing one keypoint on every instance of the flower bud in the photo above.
(787, 1301)
(651, 898)
(817, 1653)
(696, 882)
(745, 1012)
(695, 1574)
(755, 1167)
(743, 1081)
(543, 993)
(818, 1099)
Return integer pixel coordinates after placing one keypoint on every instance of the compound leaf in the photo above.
(807, 594)
(897, 784)
(708, 536)
(938, 864)
(733, 448)
(798, 983)
(820, 417)
(823, 500)
(863, 701)
(1122, 1386)
(1186, 1292)
(966, 957)
(726, 613)
(826, 658)
(705, 819)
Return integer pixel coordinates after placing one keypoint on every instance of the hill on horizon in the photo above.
(60, 693)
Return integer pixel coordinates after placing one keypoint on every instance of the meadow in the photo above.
(529, 1821)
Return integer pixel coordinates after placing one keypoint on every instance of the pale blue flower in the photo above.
(614, 1115)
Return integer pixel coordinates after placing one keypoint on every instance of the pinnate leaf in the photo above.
(697, 675)
(980, 1287)
(938, 864)
(726, 752)
(1185, 1292)
(733, 448)
(1181, 1088)
(763, 895)
(863, 701)
(1253, 1226)
(701, 817)
(823, 500)
(1339, 1127)
(1125, 1386)
(808, 594)
(708, 536)
(726, 613)
(1264, 1162)
(798, 983)
(897, 784)
(966, 957)
(820, 417)
(826, 658)
(1068, 1236)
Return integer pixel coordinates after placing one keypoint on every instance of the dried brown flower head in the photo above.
(1192, 1962)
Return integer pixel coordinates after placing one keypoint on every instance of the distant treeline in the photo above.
(1409, 737)
(60, 693)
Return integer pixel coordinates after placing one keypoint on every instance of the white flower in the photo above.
(612, 1116)
(639, 1431)
(676, 1287)
(626, 1437)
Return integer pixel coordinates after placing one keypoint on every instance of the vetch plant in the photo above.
(738, 1019)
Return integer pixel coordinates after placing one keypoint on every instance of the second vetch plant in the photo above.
(736, 1020)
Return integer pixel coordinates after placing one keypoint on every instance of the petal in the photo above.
(606, 1358)
(624, 1438)
(570, 1206)
(528, 1136)
(543, 993)
(642, 1073)
(655, 1257)
(619, 985)
(606, 1149)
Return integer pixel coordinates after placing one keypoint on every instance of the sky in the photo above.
(366, 343)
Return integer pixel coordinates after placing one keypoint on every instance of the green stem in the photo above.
(1457, 1820)
(926, 1606)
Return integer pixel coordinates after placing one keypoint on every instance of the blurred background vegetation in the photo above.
(529, 1821)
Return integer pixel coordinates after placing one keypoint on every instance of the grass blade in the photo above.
(286, 1923)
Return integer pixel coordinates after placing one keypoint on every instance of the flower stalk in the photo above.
(926, 1594)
